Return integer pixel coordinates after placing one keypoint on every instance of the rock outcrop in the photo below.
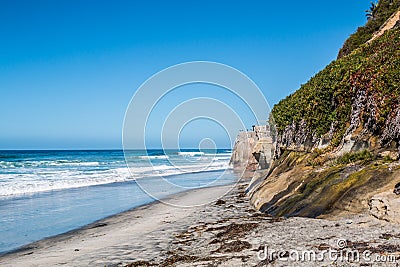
(385, 206)
(294, 187)
(242, 153)
(253, 149)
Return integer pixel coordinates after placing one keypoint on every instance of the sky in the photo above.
(68, 69)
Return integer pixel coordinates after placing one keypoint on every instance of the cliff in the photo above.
(253, 149)
(242, 156)
(337, 143)
(352, 103)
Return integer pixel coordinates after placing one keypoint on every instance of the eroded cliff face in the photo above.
(253, 150)
(294, 187)
(363, 131)
(242, 153)
(309, 178)
(338, 138)
(385, 206)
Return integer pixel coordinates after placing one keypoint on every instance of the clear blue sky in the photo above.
(69, 68)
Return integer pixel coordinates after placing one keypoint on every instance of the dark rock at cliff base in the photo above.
(220, 202)
(397, 189)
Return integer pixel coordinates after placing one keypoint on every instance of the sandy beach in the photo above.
(141, 233)
(227, 232)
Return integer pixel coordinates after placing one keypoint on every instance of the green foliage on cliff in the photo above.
(377, 18)
(352, 157)
(328, 96)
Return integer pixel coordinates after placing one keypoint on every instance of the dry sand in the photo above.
(225, 233)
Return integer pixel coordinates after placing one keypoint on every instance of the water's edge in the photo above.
(103, 221)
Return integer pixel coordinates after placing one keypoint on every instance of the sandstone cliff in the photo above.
(338, 136)
(253, 149)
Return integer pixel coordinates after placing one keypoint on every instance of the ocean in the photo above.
(46, 193)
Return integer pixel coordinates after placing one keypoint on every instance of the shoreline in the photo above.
(32, 217)
(226, 232)
(100, 222)
(112, 220)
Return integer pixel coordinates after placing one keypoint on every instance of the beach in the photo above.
(46, 193)
(227, 232)
(137, 133)
(136, 234)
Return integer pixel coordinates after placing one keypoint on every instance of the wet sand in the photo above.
(227, 232)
